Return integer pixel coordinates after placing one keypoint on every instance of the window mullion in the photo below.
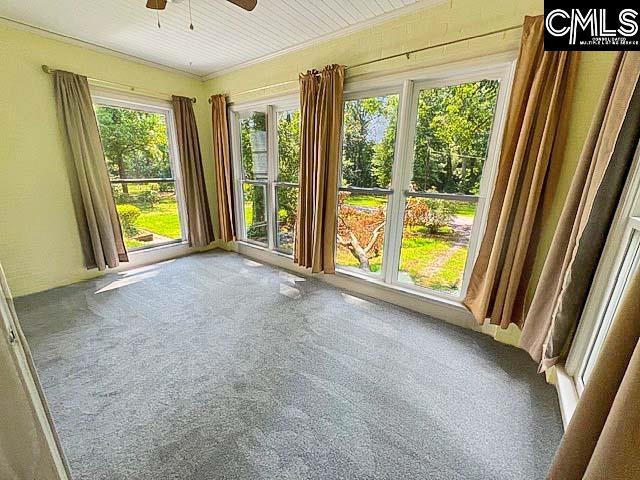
(401, 176)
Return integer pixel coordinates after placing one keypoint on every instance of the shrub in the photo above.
(166, 187)
(147, 197)
(128, 215)
(431, 213)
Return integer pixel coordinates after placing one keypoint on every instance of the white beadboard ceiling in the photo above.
(225, 36)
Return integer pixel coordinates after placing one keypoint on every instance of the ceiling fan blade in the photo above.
(248, 5)
(157, 4)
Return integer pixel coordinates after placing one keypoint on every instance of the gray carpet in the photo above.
(214, 366)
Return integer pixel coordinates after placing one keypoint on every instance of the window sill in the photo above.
(449, 310)
(159, 253)
(567, 392)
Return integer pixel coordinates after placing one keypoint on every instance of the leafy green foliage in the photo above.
(431, 213)
(128, 216)
(134, 143)
(369, 141)
(452, 135)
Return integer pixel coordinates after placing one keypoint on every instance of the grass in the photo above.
(420, 258)
(466, 209)
(366, 200)
(161, 219)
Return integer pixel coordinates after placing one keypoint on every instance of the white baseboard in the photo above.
(450, 311)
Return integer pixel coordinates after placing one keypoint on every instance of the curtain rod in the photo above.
(50, 71)
(407, 54)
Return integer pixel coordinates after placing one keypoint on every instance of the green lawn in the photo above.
(366, 200)
(420, 259)
(161, 219)
(466, 209)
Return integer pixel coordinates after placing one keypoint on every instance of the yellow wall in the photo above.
(39, 244)
(450, 20)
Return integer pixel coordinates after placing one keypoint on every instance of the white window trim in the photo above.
(270, 107)
(115, 98)
(442, 306)
(605, 277)
(407, 111)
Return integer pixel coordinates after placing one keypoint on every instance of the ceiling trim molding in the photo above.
(419, 5)
(92, 46)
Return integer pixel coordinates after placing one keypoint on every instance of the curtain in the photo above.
(321, 97)
(199, 223)
(602, 440)
(586, 217)
(224, 180)
(527, 174)
(100, 231)
(29, 446)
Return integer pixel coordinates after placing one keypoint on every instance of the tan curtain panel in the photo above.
(29, 446)
(199, 222)
(321, 98)
(222, 157)
(602, 440)
(99, 225)
(527, 173)
(586, 217)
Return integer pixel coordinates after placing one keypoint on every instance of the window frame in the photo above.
(270, 107)
(402, 170)
(109, 98)
(594, 323)
(356, 94)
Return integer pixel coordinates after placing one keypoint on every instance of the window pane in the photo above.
(452, 137)
(255, 212)
(288, 145)
(148, 213)
(361, 222)
(136, 148)
(369, 141)
(253, 144)
(435, 240)
(286, 199)
(629, 265)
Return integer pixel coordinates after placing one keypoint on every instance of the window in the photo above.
(138, 142)
(268, 150)
(286, 188)
(253, 143)
(619, 261)
(418, 161)
(368, 148)
(624, 273)
(417, 166)
(452, 133)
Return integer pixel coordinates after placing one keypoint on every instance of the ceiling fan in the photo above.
(248, 5)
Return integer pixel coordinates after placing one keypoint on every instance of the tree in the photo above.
(362, 165)
(288, 166)
(452, 135)
(134, 143)
(360, 231)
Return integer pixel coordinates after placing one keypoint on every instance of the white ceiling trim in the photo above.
(92, 46)
(419, 5)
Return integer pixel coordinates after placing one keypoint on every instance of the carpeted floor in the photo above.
(217, 367)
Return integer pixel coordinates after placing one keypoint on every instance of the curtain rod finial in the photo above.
(46, 69)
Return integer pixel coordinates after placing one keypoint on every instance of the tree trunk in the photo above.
(358, 252)
(122, 174)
